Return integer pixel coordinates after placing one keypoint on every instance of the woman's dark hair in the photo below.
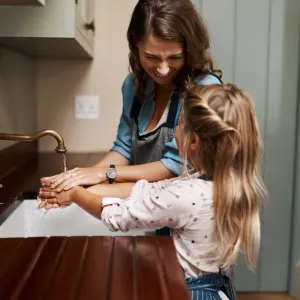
(174, 20)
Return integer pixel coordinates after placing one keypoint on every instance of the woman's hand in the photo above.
(76, 177)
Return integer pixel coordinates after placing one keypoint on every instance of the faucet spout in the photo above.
(28, 138)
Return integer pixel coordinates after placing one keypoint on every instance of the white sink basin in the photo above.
(29, 221)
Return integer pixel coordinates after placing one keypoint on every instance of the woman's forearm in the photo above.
(151, 172)
(117, 190)
(113, 157)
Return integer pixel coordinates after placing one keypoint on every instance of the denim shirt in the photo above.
(171, 159)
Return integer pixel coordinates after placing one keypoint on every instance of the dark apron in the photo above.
(208, 287)
(150, 147)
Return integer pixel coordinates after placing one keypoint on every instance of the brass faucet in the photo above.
(28, 138)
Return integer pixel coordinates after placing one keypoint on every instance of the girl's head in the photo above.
(169, 42)
(219, 135)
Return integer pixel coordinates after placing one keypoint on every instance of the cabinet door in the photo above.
(85, 25)
(22, 2)
(55, 30)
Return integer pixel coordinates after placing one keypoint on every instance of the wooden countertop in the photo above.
(88, 268)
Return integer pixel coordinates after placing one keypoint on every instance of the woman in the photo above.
(169, 46)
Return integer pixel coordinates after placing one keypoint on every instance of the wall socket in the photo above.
(87, 107)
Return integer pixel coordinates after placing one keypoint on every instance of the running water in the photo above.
(65, 162)
(65, 170)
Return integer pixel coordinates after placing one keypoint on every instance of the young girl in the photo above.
(214, 209)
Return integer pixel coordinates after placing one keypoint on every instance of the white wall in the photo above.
(58, 82)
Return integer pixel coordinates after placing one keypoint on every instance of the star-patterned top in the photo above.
(185, 204)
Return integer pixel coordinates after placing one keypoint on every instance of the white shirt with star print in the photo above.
(184, 204)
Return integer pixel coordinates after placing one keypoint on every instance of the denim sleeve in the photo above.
(209, 79)
(171, 159)
(122, 143)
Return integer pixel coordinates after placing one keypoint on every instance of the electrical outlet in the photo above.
(87, 107)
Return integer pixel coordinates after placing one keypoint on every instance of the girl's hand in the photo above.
(76, 177)
(47, 206)
(53, 199)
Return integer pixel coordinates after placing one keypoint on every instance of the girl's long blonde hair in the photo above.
(223, 116)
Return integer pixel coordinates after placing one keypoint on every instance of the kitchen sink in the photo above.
(27, 220)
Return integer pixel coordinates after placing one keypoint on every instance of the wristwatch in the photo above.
(111, 174)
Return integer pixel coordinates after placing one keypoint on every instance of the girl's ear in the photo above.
(194, 146)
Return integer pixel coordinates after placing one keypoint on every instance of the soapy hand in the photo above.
(76, 177)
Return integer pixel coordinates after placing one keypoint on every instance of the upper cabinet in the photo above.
(22, 2)
(60, 29)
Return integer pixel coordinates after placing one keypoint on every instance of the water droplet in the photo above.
(44, 215)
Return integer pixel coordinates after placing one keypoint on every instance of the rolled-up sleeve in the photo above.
(149, 206)
(122, 143)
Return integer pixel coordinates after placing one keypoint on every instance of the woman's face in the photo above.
(161, 59)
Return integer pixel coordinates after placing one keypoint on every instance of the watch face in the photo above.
(112, 173)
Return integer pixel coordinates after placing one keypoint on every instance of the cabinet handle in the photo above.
(90, 26)
(1, 185)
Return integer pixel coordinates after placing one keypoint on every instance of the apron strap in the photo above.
(173, 108)
(136, 108)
